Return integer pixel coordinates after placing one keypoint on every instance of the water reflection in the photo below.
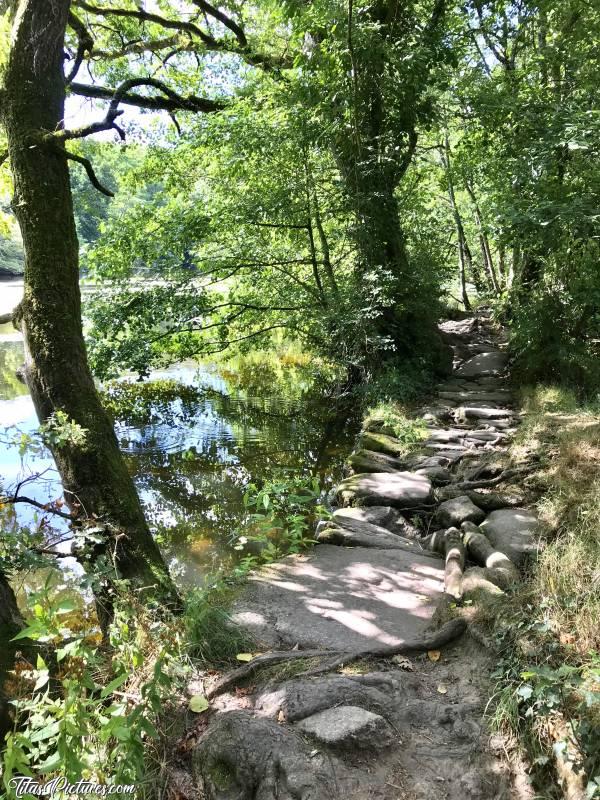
(192, 456)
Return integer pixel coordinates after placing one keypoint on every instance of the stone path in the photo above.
(411, 538)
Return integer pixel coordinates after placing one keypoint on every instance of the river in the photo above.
(249, 419)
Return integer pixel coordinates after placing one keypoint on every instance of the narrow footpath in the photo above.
(374, 680)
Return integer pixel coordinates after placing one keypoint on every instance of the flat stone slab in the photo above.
(513, 531)
(341, 598)
(348, 727)
(491, 363)
(399, 489)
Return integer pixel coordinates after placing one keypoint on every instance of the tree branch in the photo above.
(87, 165)
(224, 20)
(145, 16)
(85, 45)
(122, 94)
(48, 507)
(9, 317)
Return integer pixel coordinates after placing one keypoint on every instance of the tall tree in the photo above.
(97, 485)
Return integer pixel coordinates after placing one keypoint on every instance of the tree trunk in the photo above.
(465, 261)
(11, 622)
(486, 253)
(95, 478)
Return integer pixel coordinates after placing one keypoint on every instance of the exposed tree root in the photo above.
(486, 483)
(434, 641)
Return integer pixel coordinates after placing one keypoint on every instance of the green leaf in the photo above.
(198, 703)
(244, 656)
(114, 684)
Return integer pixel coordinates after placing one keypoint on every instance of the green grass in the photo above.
(211, 634)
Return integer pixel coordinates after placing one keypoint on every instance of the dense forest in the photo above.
(298, 193)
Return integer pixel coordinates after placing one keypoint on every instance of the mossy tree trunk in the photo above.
(95, 478)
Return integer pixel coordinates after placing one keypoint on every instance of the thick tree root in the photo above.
(434, 641)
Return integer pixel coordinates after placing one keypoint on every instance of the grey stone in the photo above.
(382, 443)
(303, 697)
(365, 535)
(371, 461)
(513, 531)
(348, 727)
(452, 513)
(423, 462)
(439, 476)
(399, 489)
(341, 598)
(242, 757)
(491, 363)
(384, 516)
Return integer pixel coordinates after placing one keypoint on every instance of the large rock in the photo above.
(452, 513)
(242, 757)
(341, 598)
(491, 363)
(383, 516)
(348, 727)
(514, 532)
(399, 489)
(365, 535)
(478, 396)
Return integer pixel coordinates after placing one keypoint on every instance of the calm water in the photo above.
(194, 458)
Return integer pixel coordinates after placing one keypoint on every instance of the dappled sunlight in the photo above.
(332, 596)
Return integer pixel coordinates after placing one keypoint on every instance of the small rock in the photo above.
(452, 513)
(348, 727)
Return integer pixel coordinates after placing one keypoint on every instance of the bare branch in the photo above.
(6, 318)
(48, 507)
